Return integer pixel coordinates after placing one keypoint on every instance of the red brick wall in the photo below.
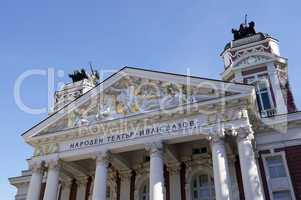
(293, 158)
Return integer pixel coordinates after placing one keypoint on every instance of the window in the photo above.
(282, 195)
(203, 188)
(263, 94)
(278, 177)
(275, 166)
(196, 151)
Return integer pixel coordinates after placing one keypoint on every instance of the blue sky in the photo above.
(169, 35)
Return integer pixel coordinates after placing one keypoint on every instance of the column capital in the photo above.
(125, 175)
(53, 164)
(216, 139)
(174, 168)
(66, 182)
(82, 180)
(154, 147)
(35, 165)
(244, 133)
(217, 135)
(103, 157)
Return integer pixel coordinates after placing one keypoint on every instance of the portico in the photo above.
(179, 151)
(157, 159)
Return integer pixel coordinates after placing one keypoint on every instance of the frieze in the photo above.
(131, 96)
(252, 60)
(230, 57)
(174, 128)
(45, 149)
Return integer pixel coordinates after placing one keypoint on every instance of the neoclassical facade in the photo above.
(150, 135)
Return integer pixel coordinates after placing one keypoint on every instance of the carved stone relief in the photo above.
(131, 96)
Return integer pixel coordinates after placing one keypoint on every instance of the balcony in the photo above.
(269, 113)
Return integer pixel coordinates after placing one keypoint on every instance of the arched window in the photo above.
(202, 187)
(144, 193)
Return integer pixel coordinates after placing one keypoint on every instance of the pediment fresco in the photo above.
(133, 95)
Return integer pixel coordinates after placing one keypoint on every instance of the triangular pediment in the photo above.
(133, 91)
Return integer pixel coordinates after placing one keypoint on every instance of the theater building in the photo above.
(151, 135)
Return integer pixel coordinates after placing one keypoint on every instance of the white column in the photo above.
(52, 183)
(156, 177)
(220, 168)
(34, 189)
(175, 181)
(66, 189)
(81, 188)
(249, 170)
(125, 184)
(101, 174)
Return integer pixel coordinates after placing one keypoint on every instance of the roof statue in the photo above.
(81, 75)
(78, 75)
(245, 30)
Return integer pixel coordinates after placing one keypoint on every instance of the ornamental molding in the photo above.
(207, 108)
(142, 169)
(174, 168)
(66, 183)
(252, 59)
(232, 56)
(103, 158)
(81, 181)
(244, 133)
(125, 175)
(45, 149)
(53, 164)
(193, 126)
(36, 166)
(155, 148)
(230, 113)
